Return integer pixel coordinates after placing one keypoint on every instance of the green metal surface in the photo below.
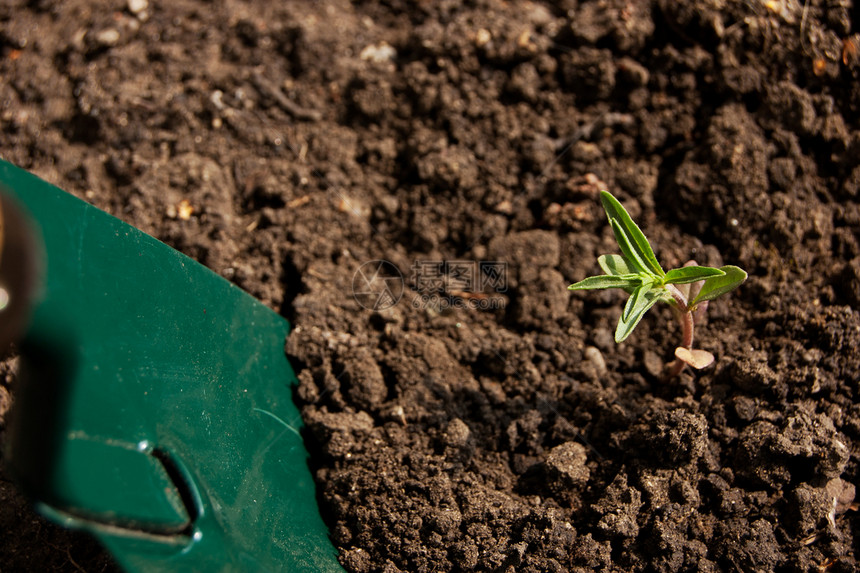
(155, 406)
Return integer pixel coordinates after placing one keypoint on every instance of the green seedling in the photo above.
(686, 289)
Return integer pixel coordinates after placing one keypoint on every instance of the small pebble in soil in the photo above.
(378, 53)
(137, 6)
(108, 38)
(594, 356)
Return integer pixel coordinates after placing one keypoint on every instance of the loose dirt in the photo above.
(495, 426)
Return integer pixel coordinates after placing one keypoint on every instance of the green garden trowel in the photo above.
(154, 404)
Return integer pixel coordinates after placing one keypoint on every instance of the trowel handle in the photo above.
(21, 269)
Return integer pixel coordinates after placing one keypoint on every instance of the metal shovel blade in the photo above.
(154, 403)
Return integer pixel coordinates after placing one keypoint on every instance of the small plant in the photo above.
(687, 289)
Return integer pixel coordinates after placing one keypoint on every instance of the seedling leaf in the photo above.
(626, 245)
(633, 236)
(695, 357)
(615, 265)
(635, 296)
(635, 314)
(607, 281)
(719, 285)
(686, 275)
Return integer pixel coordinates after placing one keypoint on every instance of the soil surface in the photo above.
(414, 185)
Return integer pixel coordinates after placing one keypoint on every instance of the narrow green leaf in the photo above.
(616, 211)
(631, 255)
(607, 281)
(615, 265)
(718, 285)
(644, 302)
(691, 274)
(635, 297)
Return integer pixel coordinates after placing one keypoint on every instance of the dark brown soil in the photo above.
(309, 138)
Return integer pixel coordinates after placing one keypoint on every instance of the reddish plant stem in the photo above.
(685, 318)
